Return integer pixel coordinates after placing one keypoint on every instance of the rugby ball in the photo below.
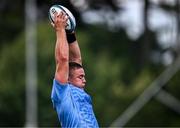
(71, 22)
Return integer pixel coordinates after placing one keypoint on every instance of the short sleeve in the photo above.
(59, 91)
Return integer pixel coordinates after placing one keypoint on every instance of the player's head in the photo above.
(76, 74)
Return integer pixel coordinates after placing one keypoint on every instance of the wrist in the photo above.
(71, 37)
(60, 31)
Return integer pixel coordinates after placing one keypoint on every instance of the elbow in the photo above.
(77, 60)
(62, 58)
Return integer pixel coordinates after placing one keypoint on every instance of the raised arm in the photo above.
(74, 50)
(61, 49)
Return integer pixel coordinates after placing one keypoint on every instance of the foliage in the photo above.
(12, 100)
(11, 20)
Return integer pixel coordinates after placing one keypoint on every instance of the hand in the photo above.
(60, 21)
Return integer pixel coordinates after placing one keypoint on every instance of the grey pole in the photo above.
(31, 64)
(169, 100)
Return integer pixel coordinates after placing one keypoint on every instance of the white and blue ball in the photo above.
(71, 22)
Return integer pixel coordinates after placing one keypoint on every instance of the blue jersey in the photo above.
(73, 106)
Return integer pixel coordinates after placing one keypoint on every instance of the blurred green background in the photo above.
(119, 63)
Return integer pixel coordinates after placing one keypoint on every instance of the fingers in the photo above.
(61, 16)
(60, 21)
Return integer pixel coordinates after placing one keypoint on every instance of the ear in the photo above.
(69, 81)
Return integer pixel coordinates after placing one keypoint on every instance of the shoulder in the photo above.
(78, 92)
(59, 90)
(76, 89)
(59, 87)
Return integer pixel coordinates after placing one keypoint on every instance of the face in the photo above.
(78, 77)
